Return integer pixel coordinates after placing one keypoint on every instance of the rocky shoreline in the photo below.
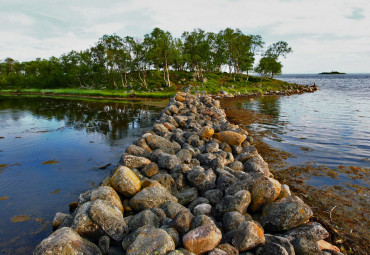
(193, 184)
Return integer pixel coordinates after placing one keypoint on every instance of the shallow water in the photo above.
(51, 151)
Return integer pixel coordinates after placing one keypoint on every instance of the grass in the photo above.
(212, 83)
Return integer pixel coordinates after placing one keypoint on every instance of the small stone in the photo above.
(206, 133)
(211, 147)
(172, 208)
(180, 98)
(257, 165)
(202, 239)
(158, 142)
(228, 248)
(184, 155)
(285, 191)
(142, 143)
(236, 166)
(271, 249)
(150, 170)
(282, 241)
(150, 197)
(231, 220)
(104, 243)
(132, 162)
(240, 185)
(174, 234)
(225, 147)
(202, 180)
(214, 196)
(202, 209)
(248, 236)
(197, 201)
(263, 192)
(58, 219)
(201, 220)
(66, 241)
(186, 196)
(285, 214)
(225, 180)
(167, 161)
(230, 137)
(304, 246)
(182, 221)
(125, 181)
(166, 181)
(312, 231)
(160, 129)
(217, 251)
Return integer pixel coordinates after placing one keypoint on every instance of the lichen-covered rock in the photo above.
(202, 239)
(231, 220)
(312, 231)
(158, 142)
(186, 196)
(137, 151)
(238, 202)
(303, 246)
(263, 192)
(171, 208)
(58, 219)
(257, 165)
(206, 133)
(282, 241)
(236, 166)
(248, 236)
(160, 129)
(174, 234)
(202, 180)
(167, 161)
(150, 197)
(152, 241)
(132, 162)
(125, 181)
(201, 220)
(197, 201)
(230, 137)
(214, 196)
(109, 218)
(144, 218)
(246, 184)
(66, 241)
(285, 214)
(166, 181)
(228, 248)
(184, 155)
(150, 170)
(217, 251)
(106, 193)
(182, 221)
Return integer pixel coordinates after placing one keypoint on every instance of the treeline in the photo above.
(116, 62)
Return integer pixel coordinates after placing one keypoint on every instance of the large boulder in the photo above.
(248, 236)
(263, 192)
(150, 197)
(109, 218)
(202, 239)
(285, 214)
(152, 241)
(66, 241)
(125, 181)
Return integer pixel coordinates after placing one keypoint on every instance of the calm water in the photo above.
(330, 127)
(51, 151)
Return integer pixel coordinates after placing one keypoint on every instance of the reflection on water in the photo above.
(51, 151)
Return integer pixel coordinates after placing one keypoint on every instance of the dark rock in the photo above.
(202, 239)
(66, 241)
(104, 243)
(217, 251)
(180, 181)
(109, 218)
(144, 218)
(211, 147)
(181, 168)
(150, 170)
(197, 201)
(228, 236)
(228, 248)
(172, 208)
(255, 165)
(166, 181)
(150, 197)
(247, 153)
(159, 213)
(225, 180)
(153, 241)
(182, 221)
(248, 236)
(201, 220)
(213, 195)
(240, 185)
(231, 220)
(285, 214)
(174, 234)
(271, 249)
(312, 231)
(283, 242)
(184, 155)
(130, 238)
(238, 202)
(206, 158)
(236, 150)
(304, 246)
(186, 196)
(202, 180)
(167, 161)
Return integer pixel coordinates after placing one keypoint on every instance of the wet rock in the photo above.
(186, 196)
(137, 151)
(184, 155)
(58, 219)
(231, 220)
(150, 170)
(202, 209)
(197, 201)
(214, 196)
(106, 193)
(66, 241)
(132, 162)
(271, 249)
(312, 231)
(238, 202)
(230, 137)
(202, 239)
(304, 246)
(158, 142)
(104, 243)
(182, 221)
(257, 165)
(109, 218)
(144, 218)
(167, 161)
(153, 241)
(285, 214)
(248, 236)
(263, 192)
(125, 181)
(282, 241)
(206, 133)
(83, 224)
(172, 208)
(150, 197)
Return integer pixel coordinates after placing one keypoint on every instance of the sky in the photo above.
(325, 35)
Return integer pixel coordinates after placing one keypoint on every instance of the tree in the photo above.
(269, 64)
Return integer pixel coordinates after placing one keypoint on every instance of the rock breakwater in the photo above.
(193, 184)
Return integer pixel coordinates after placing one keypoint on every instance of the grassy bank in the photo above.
(212, 83)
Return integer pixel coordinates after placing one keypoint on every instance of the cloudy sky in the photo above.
(325, 35)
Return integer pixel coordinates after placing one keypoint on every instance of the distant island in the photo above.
(332, 72)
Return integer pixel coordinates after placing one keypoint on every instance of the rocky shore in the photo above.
(194, 184)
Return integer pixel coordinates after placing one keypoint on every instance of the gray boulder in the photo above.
(186, 196)
(144, 218)
(150, 197)
(248, 236)
(238, 202)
